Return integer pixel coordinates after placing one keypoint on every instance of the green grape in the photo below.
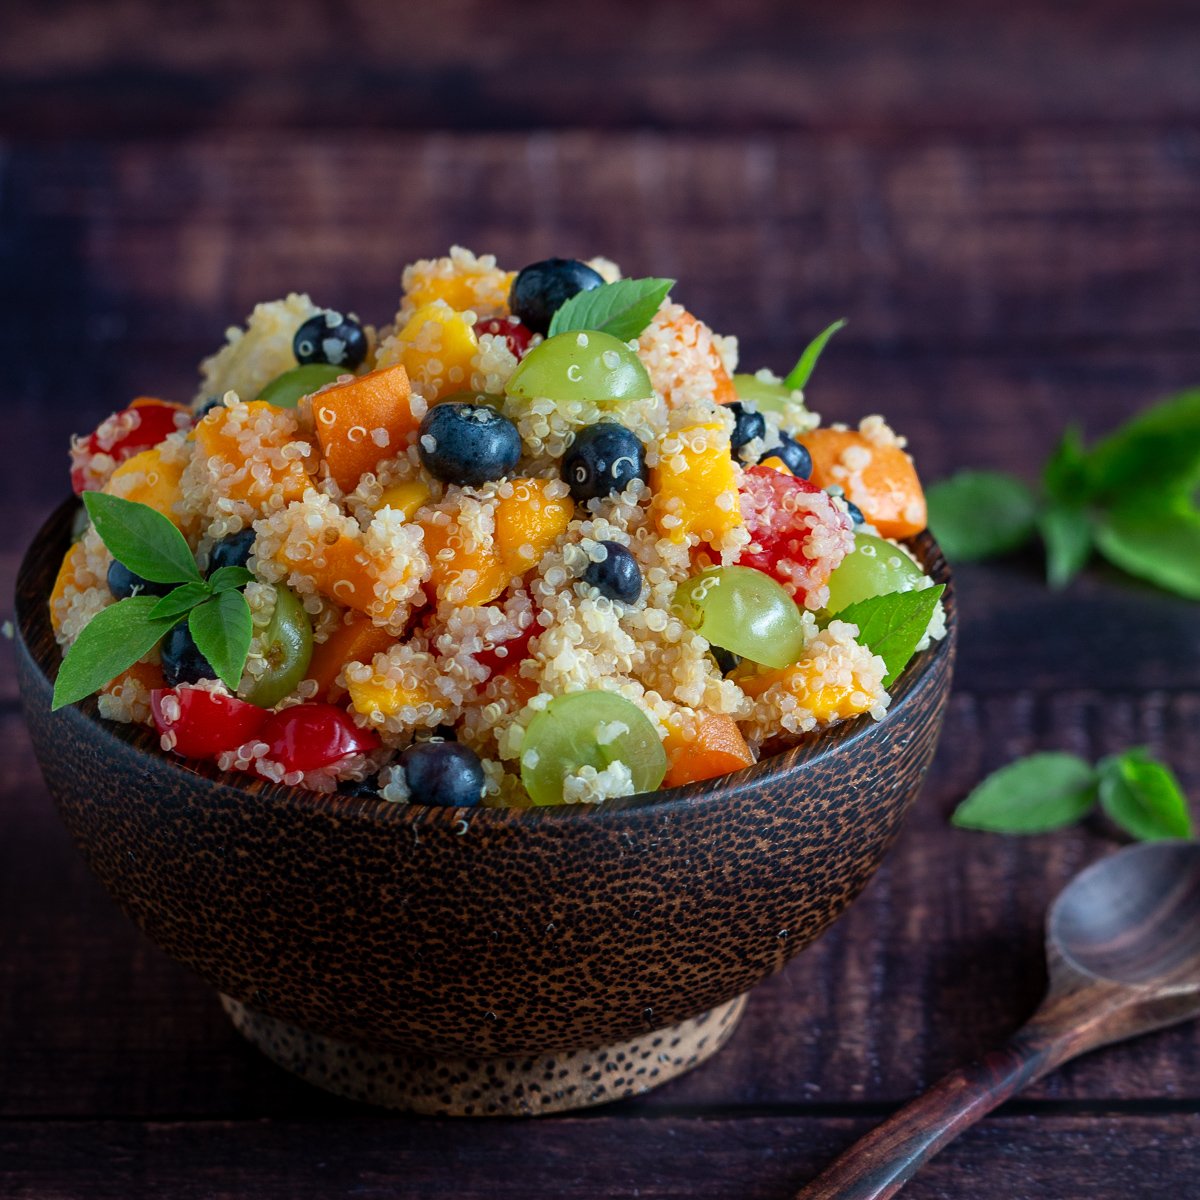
(586, 729)
(580, 366)
(287, 643)
(745, 612)
(873, 568)
(766, 397)
(284, 391)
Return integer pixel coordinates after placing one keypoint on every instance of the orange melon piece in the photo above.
(528, 523)
(715, 748)
(217, 440)
(695, 489)
(67, 576)
(359, 640)
(696, 333)
(148, 674)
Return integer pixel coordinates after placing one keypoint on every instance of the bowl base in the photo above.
(512, 1085)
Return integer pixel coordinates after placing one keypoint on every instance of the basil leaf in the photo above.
(1161, 445)
(1142, 796)
(141, 538)
(1032, 795)
(221, 628)
(892, 625)
(225, 579)
(1065, 475)
(1160, 545)
(800, 374)
(180, 602)
(1067, 533)
(114, 639)
(978, 514)
(623, 308)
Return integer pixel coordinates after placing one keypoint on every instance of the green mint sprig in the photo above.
(146, 542)
(892, 625)
(1132, 497)
(622, 309)
(1047, 791)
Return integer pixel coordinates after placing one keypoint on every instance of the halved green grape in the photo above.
(763, 394)
(589, 729)
(284, 391)
(745, 612)
(287, 643)
(580, 366)
(873, 568)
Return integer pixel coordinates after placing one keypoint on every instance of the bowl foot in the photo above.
(512, 1085)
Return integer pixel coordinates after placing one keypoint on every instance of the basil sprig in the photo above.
(622, 309)
(1047, 791)
(1132, 497)
(146, 542)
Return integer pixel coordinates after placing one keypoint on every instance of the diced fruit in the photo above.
(462, 285)
(359, 640)
(695, 487)
(468, 444)
(445, 774)
(716, 748)
(602, 461)
(67, 576)
(504, 657)
(381, 695)
(748, 424)
(589, 729)
(149, 479)
(807, 681)
(122, 583)
(203, 724)
(877, 477)
(694, 352)
(580, 366)
(217, 441)
(793, 456)
(542, 288)
(517, 335)
(143, 424)
(465, 570)
(309, 737)
(330, 338)
(617, 575)
(287, 647)
(348, 575)
(148, 674)
(437, 346)
(362, 421)
(182, 661)
(744, 611)
(775, 463)
(404, 497)
(286, 390)
(528, 523)
(873, 568)
(233, 550)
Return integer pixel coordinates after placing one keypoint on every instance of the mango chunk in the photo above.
(148, 478)
(528, 523)
(695, 486)
(437, 346)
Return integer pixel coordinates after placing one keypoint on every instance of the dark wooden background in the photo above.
(1004, 201)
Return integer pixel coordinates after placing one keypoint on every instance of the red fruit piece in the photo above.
(517, 336)
(506, 656)
(201, 723)
(798, 535)
(307, 737)
(143, 424)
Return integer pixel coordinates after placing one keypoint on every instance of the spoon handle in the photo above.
(879, 1164)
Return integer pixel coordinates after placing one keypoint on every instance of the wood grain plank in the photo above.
(764, 1158)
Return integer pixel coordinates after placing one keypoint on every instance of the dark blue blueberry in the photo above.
(330, 338)
(443, 773)
(123, 583)
(468, 444)
(233, 550)
(855, 512)
(602, 460)
(747, 425)
(726, 659)
(207, 407)
(182, 661)
(368, 787)
(795, 456)
(542, 288)
(618, 577)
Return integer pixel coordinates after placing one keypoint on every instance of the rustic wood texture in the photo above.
(1003, 200)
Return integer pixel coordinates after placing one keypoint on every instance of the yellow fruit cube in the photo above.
(148, 478)
(437, 346)
(404, 497)
(695, 486)
(529, 521)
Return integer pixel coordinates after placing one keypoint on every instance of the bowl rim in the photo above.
(33, 623)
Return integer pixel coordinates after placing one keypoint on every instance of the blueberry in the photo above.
(207, 407)
(542, 288)
(602, 460)
(182, 661)
(726, 659)
(122, 582)
(618, 577)
(233, 550)
(795, 456)
(747, 425)
(330, 338)
(855, 513)
(368, 787)
(443, 773)
(468, 444)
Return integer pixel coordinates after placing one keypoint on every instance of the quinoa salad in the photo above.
(535, 541)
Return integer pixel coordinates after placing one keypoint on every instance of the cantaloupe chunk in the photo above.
(267, 474)
(714, 747)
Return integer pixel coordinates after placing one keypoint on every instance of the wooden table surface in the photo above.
(1005, 203)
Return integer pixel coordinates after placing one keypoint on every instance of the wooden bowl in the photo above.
(481, 960)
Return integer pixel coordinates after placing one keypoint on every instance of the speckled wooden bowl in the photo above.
(481, 961)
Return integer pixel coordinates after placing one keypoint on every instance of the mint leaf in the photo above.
(1065, 475)
(180, 602)
(800, 374)
(1067, 533)
(224, 579)
(1032, 795)
(978, 514)
(114, 639)
(892, 625)
(1160, 545)
(1160, 447)
(221, 628)
(1143, 796)
(141, 538)
(623, 308)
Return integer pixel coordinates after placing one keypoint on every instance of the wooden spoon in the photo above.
(1123, 951)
